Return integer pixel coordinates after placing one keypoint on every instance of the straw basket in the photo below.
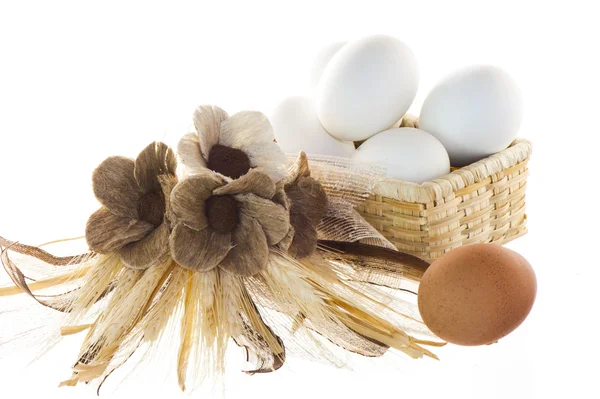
(480, 203)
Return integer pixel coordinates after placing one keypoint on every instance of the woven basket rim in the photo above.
(518, 152)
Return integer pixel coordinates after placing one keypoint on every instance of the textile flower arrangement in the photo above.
(232, 243)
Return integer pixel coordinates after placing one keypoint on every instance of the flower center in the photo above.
(222, 213)
(228, 161)
(151, 207)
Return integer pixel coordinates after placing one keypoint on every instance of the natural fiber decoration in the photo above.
(347, 184)
(480, 203)
(136, 212)
(238, 248)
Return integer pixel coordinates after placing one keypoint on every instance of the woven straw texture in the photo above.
(480, 203)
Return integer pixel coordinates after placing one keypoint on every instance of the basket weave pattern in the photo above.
(480, 203)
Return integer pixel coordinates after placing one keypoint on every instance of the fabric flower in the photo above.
(226, 224)
(231, 146)
(134, 218)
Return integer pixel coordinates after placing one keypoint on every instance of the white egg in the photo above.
(408, 154)
(475, 112)
(297, 128)
(366, 87)
(320, 61)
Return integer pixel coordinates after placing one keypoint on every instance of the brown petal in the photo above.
(254, 181)
(251, 252)
(287, 240)
(106, 232)
(198, 250)
(154, 160)
(168, 183)
(300, 168)
(281, 198)
(304, 242)
(115, 186)
(207, 120)
(274, 218)
(188, 149)
(308, 207)
(308, 197)
(188, 199)
(148, 251)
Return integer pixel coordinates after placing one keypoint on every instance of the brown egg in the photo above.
(476, 294)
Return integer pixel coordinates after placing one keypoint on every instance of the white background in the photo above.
(84, 80)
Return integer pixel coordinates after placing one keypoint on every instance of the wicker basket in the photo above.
(480, 203)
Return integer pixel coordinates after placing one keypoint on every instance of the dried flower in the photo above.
(135, 197)
(231, 146)
(226, 224)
